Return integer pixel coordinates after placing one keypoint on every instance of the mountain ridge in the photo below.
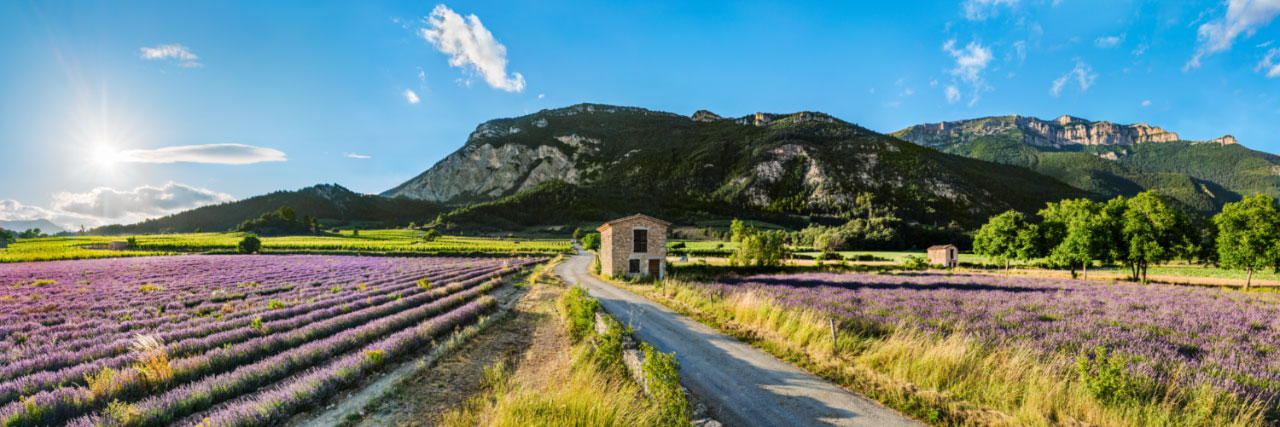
(802, 163)
(1110, 159)
(324, 201)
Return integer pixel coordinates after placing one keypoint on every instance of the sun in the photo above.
(104, 156)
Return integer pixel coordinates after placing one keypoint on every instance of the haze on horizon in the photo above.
(114, 114)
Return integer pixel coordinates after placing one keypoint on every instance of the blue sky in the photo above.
(117, 111)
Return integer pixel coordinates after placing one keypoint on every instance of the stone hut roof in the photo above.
(940, 247)
(610, 224)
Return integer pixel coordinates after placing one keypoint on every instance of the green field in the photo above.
(397, 241)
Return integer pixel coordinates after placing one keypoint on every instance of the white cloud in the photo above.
(953, 94)
(1146, 103)
(109, 204)
(540, 96)
(355, 156)
(227, 154)
(410, 96)
(978, 10)
(1082, 73)
(1270, 64)
(1141, 49)
(1243, 18)
(105, 205)
(971, 60)
(470, 46)
(1109, 41)
(176, 52)
(422, 77)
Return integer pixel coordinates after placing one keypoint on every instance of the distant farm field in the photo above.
(368, 241)
(1036, 350)
(230, 340)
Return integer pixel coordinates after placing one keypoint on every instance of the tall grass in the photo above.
(951, 379)
(588, 388)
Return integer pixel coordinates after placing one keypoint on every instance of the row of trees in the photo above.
(1136, 232)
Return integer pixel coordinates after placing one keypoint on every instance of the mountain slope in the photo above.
(324, 201)
(45, 226)
(1111, 159)
(799, 164)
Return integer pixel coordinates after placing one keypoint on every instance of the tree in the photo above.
(828, 243)
(1150, 229)
(430, 235)
(998, 239)
(249, 244)
(578, 233)
(7, 236)
(1031, 243)
(755, 247)
(591, 241)
(1082, 233)
(759, 248)
(1249, 235)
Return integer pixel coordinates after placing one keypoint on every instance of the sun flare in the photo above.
(104, 156)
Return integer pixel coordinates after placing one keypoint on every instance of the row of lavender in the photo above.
(219, 328)
(1171, 336)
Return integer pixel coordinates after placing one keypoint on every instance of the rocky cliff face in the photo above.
(1058, 133)
(488, 171)
(797, 163)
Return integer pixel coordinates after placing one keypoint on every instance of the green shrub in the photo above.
(249, 244)
(1104, 374)
(914, 262)
(662, 376)
(579, 312)
(591, 241)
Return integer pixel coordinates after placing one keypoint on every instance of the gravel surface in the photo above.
(742, 385)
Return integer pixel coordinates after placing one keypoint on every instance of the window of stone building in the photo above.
(640, 240)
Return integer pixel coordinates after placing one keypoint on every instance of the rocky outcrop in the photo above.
(706, 116)
(1223, 140)
(487, 171)
(1060, 132)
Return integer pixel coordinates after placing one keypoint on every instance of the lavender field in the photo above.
(1146, 339)
(217, 340)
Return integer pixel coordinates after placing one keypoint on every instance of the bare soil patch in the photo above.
(526, 338)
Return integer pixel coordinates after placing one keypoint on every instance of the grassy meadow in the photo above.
(391, 241)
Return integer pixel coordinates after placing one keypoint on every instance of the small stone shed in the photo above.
(633, 246)
(118, 246)
(947, 256)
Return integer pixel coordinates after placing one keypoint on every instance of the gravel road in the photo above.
(741, 385)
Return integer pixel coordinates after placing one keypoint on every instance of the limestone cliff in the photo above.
(1060, 132)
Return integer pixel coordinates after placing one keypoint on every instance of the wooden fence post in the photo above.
(833, 334)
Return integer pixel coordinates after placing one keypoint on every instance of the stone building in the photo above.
(118, 246)
(948, 256)
(633, 246)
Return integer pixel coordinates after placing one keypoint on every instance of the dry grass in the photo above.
(557, 385)
(946, 380)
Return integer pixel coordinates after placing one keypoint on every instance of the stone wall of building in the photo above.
(616, 247)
